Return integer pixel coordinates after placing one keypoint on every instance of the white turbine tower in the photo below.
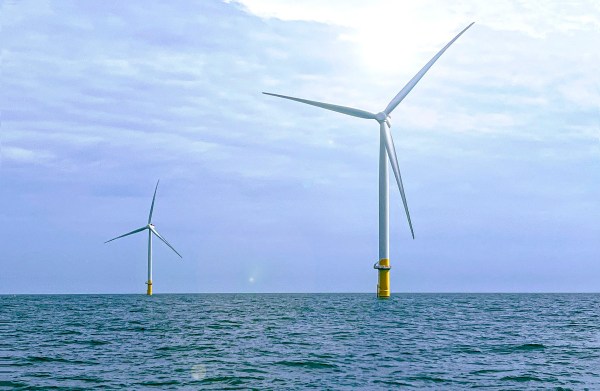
(386, 147)
(151, 230)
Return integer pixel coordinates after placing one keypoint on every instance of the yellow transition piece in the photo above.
(383, 286)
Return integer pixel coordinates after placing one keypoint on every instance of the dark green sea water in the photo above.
(303, 341)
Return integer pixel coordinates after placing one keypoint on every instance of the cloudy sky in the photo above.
(499, 145)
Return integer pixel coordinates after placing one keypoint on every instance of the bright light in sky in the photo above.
(498, 144)
(380, 28)
(377, 28)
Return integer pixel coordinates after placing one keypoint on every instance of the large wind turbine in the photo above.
(386, 147)
(151, 230)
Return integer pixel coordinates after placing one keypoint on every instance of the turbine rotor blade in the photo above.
(340, 109)
(409, 86)
(165, 241)
(391, 152)
(127, 234)
(152, 206)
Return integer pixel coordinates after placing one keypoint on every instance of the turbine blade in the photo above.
(409, 86)
(164, 240)
(340, 109)
(152, 207)
(127, 234)
(391, 152)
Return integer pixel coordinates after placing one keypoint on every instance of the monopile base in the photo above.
(383, 286)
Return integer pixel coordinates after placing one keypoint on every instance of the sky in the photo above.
(498, 145)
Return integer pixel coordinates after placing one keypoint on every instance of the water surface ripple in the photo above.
(300, 341)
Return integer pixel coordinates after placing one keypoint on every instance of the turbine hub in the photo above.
(383, 117)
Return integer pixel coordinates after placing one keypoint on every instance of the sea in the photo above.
(300, 341)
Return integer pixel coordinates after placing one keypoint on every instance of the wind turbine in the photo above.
(151, 230)
(386, 147)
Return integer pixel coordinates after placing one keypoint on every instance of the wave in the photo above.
(307, 364)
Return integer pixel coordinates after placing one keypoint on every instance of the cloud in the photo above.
(26, 156)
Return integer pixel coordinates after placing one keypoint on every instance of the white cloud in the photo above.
(420, 117)
(27, 156)
(581, 92)
(535, 45)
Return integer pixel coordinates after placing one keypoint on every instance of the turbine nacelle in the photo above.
(383, 117)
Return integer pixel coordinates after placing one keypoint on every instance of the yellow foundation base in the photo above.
(383, 285)
(149, 291)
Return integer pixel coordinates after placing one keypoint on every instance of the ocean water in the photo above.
(300, 341)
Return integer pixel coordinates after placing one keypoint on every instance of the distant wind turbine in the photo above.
(386, 147)
(151, 230)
